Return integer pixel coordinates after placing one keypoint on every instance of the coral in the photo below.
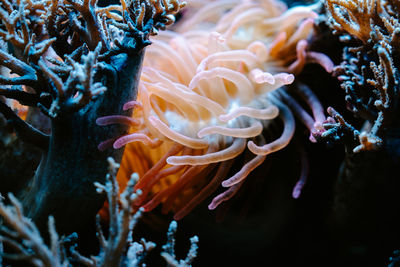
(118, 249)
(121, 223)
(33, 248)
(169, 250)
(208, 90)
(368, 73)
(76, 62)
(366, 188)
(353, 17)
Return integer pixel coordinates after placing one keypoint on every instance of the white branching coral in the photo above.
(208, 90)
(121, 223)
(169, 249)
(33, 248)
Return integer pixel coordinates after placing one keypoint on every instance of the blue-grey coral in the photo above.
(75, 62)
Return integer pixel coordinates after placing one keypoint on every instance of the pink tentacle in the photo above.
(222, 171)
(313, 102)
(225, 196)
(321, 59)
(303, 174)
(137, 137)
(299, 112)
(117, 119)
(132, 104)
(106, 144)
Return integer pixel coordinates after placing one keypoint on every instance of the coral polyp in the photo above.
(208, 91)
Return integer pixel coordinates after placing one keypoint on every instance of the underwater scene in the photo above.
(199, 133)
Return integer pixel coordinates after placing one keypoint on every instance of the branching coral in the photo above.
(353, 17)
(366, 188)
(169, 249)
(33, 248)
(208, 90)
(76, 62)
(118, 249)
(368, 73)
(121, 223)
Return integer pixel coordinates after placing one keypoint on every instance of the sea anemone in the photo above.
(208, 92)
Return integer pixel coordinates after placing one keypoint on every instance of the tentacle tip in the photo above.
(296, 193)
(115, 146)
(105, 145)
(127, 106)
(313, 134)
(328, 67)
(301, 45)
(297, 189)
(212, 206)
(100, 121)
(226, 183)
(201, 134)
(289, 79)
(118, 144)
(170, 161)
(102, 146)
(331, 111)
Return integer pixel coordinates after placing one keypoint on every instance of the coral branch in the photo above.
(353, 16)
(367, 73)
(169, 249)
(26, 230)
(122, 220)
(27, 75)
